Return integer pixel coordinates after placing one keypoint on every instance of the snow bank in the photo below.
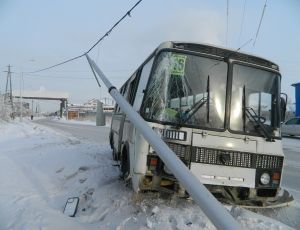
(40, 168)
(5, 110)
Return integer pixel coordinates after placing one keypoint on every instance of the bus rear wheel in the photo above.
(114, 154)
(124, 165)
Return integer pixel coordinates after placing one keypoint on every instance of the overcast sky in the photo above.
(39, 33)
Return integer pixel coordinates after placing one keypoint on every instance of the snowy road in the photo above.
(291, 181)
(42, 163)
(291, 176)
(100, 135)
(291, 148)
(96, 134)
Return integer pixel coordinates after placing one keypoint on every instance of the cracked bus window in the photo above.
(186, 89)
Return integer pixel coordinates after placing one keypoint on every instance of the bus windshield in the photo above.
(254, 100)
(186, 89)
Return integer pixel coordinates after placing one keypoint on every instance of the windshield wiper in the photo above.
(250, 113)
(208, 97)
(190, 112)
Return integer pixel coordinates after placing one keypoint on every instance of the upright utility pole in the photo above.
(8, 100)
(21, 98)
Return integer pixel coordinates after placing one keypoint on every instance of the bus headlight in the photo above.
(265, 178)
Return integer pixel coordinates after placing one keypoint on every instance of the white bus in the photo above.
(219, 110)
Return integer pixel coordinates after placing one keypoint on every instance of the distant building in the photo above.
(88, 109)
(92, 103)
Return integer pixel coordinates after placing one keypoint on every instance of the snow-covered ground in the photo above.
(64, 120)
(82, 122)
(40, 168)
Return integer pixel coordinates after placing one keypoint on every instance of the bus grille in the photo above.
(236, 159)
(226, 158)
(219, 157)
(182, 151)
(268, 162)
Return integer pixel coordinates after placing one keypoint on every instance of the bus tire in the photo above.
(124, 164)
(111, 141)
(114, 152)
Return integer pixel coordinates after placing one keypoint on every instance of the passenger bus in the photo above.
(220, 112)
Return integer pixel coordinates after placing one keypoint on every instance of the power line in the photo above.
(87, 71)
(111, 29)
(227, 22)
(28, 75)
(242, 23)
(61, 63)
(128, 13)
(261, 18)
(246, 43)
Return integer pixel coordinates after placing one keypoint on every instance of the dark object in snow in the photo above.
(71, 206)
(188, 223)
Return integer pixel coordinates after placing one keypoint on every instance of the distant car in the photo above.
(291, 127)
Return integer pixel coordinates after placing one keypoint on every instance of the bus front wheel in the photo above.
(125, 167)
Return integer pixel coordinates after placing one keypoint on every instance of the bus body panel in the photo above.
(128, 141)
(221, 142)
(141, 150)
(218, 144)
(222, 175)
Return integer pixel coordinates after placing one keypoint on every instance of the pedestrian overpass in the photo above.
(44, 95)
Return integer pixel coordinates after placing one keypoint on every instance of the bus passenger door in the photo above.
(141, 146)
(117, 124)
(128, 135)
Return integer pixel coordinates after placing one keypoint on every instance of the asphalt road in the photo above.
(291, 173)
(82, 132)
(291, 177)
(291, 182)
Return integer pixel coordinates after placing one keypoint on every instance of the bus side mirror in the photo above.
(283, 102)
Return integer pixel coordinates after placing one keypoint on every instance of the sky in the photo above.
(39, 33)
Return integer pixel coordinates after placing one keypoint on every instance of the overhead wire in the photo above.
(128, 13)
(58, 64)
(117, 23)
(246, 43)
(87, 71)
(227, 22)
(242, 22)
(260, 22)
(85, 77)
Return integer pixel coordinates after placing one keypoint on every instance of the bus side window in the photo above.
(122, 90)
(144, 74)
(124, 93)
(132, 89)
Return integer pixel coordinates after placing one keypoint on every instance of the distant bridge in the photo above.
(44, 95)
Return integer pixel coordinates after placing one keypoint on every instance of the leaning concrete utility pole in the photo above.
(213, 209)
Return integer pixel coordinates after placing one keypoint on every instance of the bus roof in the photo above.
(219, 51)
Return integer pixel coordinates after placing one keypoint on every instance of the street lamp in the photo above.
(22, 88)
(21, 99)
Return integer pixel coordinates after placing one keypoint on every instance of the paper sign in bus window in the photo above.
(178, 64)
